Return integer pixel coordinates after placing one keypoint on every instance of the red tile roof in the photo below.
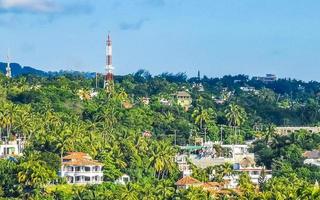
(211, 184)
(79, 159)
(314, 154)
(188, 180)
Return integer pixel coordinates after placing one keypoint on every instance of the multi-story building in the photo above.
(269, 78)
(207, 155)
(247, 165)
(11, 147)
(183, 165)
(184, 99)
(80, 168)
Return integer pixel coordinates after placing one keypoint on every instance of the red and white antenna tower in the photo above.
(108, 82)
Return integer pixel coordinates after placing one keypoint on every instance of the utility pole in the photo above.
(175, 137)
(96, 80)
(205, 135)
(221, 130)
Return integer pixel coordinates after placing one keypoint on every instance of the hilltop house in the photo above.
(123, 180)
(312, 157)
(269, 78)
(80, 168)
(184, 99)
(145, 100)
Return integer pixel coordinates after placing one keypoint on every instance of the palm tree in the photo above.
(34, 173)
(235, 115)
(269, 133)
(129, 192)
(227, 169)
(202, 116)
(196, 193)
(162, 158)
(64, 140)
(7, 116)
(310, 192)
(164, 189)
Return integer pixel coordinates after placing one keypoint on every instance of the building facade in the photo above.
(80, 168)
(184, 99)
(11, 147)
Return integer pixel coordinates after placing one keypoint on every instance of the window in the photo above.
(70, 179)
(255, 173)
(87, 178)
(78, 178)
(77, 169)
(87, 169)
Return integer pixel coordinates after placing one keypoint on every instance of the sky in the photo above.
(217, 37)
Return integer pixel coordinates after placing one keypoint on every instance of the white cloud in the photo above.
(42, 6)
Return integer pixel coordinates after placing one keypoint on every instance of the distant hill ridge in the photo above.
(17, 70)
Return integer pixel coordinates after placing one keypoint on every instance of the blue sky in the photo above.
(218, 37)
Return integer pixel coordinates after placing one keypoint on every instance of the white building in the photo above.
(145, 100)
(236, 153)
(165, 102)
(123, 180)
(247, 165)
(184, 167)
(11, 148)
(312, 158)
(80, 168)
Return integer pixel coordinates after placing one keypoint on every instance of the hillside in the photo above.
(17, 70)
(138, 128)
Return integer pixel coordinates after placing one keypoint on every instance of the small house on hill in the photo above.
(184, 99)
(312, 157)
(186, 182)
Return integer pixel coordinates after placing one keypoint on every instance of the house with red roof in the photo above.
(80, 168)
(186, 182)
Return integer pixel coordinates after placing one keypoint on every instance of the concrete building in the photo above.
(145, 100)
(165, 102)
(207, 155)
(290, 129)
(247, 165)
(269, 78)
(184, 99)
(186, 182)
(312, 158)
(184, 167)
(80, 168)
(123, 180)
(11, 148)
